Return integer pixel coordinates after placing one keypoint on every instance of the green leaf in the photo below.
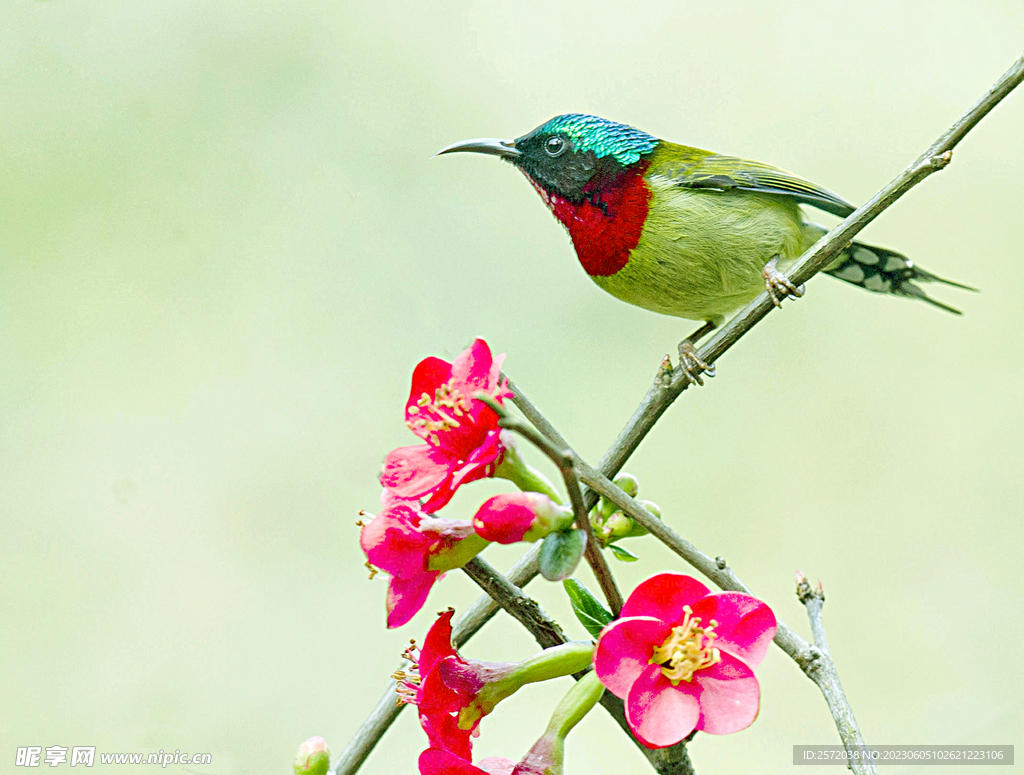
(560, 553)
(587, 608)
(623, 554)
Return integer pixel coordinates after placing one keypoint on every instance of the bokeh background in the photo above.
(224, 245)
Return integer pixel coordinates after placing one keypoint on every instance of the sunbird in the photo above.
(683, 231)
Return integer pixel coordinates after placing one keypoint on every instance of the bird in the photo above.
(686, 232)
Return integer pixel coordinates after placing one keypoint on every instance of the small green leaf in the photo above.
(560, 553)
(587, 608)
(623, 554)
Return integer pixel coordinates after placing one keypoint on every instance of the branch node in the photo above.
(941, 161)
(804, 591)
(810, 659)
(720, 563)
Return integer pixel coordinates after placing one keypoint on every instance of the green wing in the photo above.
(697, 169)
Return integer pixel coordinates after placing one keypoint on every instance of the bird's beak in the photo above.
(506, 149)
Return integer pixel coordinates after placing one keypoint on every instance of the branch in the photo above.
(658, 397)
(830, 684)
(565, 459)
(545, 630)
(548, 633)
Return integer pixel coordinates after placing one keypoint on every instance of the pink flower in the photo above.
(437, 761)
(520, 516)
(462, 433)
(415, 549)
(683, 659)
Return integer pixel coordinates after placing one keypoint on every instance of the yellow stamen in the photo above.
(687, 649)
(434, 414)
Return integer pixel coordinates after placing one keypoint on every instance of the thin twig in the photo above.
(565, 458)
(658, 397)
(548, 633)
(595, 558)
(831, 687)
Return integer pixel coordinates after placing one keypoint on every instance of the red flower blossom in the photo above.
(415, 549)
(443, 684)
(437, 761)
(453, 693)
(462, 433)
(520, 516)
(684, 659)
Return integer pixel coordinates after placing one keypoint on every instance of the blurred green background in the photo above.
(224, 246)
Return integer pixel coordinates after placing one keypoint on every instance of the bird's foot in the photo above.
(777, 284)
(692, 365)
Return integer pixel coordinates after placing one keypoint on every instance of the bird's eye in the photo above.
(554, 146)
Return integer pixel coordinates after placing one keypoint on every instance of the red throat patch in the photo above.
(606, 225)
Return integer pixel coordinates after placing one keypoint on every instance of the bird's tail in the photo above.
(883, 271)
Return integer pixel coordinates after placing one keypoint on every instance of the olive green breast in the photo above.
(701, 252)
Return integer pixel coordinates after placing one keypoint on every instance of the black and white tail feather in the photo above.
(886, 271)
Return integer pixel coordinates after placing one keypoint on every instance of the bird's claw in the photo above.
(691, 364)
(777, 284)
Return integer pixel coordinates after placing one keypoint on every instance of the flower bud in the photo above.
(604, 509)
(638, 529)
(520, 516)
(313, 757)
(652, 507)
(618, 525)
(628, 484)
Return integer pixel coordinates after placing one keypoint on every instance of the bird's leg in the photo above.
(777, 284)
(689, 362)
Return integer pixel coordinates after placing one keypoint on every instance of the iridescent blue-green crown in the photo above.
(605, 138)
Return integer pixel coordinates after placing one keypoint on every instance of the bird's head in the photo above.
(570, 155)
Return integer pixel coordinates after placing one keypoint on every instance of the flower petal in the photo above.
(436, 761)
(427, 377)
(473, 370)
(414, 471)
(746, 625)
(729, 696)
(393, 543)
(658, 713)
(442, 494)
(438, 643)
(663, 597)
(407, 596)
(624, 650)
(497, 765)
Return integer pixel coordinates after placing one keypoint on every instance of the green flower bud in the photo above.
(313, 757)
(640, 530)
(605, 508)
(652, 507)
(628, 484)
(619, 525)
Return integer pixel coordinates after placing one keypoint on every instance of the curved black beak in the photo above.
(506, 149)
